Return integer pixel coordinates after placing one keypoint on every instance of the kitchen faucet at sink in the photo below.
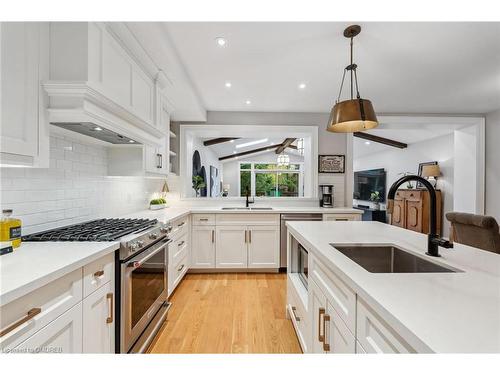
(247, 201)
(433, 240)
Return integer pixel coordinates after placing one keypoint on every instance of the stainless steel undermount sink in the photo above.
(248, 208)
(389, 259)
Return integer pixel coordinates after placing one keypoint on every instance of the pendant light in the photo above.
(283, 160)
(355, 114)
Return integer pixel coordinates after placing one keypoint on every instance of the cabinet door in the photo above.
(317, 307)
(203, 247)
(19, 110)
(98, 321)
(231, 247)
(414, 215)
(338, 338)
(398, 213)
(263, 247)
(64, 334)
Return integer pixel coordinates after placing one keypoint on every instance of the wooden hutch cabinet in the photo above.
(411, 210)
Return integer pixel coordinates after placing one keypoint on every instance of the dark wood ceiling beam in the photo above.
(253, 151)
(216, 141)
(385, 141)
(286, 143)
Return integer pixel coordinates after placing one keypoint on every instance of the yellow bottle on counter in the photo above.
(10, 229)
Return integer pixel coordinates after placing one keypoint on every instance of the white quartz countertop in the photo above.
(35, 264)
(434, 312)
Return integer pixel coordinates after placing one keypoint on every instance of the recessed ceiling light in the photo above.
(228, 84)
(231, 141)
(302, 86)
(131, 141)
(272, 143)
(248, 102)
(221, 42)
(97, 128)
(234, 152)
(367, 143)
(251, 143)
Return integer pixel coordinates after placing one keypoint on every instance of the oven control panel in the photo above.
(144, 240)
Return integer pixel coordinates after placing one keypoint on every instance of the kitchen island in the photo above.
(392, 312)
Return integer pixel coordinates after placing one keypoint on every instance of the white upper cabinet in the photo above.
(24, 64)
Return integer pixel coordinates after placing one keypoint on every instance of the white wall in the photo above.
(73, 189)
(328, 143)
(231, 173)
(208, 158)
(396, 161)
(493, 164)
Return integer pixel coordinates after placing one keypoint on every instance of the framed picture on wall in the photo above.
(420, 168)
(331, 163)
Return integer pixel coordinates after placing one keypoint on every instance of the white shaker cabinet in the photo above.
(24, 64)
(203, 246)
(263, 246)
(62, 335)
(98, 318)
(330, 334)
(231, 246)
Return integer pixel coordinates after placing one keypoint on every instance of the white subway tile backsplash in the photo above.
(73, 189)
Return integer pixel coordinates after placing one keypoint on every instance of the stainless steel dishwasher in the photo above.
(292, 217)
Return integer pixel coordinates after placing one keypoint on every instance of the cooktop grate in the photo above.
(95, 230)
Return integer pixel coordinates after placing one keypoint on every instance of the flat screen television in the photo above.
(366, 182)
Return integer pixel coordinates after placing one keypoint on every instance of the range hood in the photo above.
(81, 108)
(95, 131)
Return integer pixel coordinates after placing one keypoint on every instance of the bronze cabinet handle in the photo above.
(203, 219)
(250, 236)
(181, 243)
(180, 268)
(213, 236)
(245, 236)
(321, 311)
(109, 319)
(29, 315)
(326, 341)
(99, 273)
(294, 309)
(181, 224)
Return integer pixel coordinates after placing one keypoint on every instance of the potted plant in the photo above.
(157, 204)
(198, 183)
(375, 198)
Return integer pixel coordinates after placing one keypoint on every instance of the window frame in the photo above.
(253, 171)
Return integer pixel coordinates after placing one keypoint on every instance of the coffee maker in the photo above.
(326, 195)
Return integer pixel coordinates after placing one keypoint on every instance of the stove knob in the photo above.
(153, 236)
(140, 244)
(167, 229)
(133, 246)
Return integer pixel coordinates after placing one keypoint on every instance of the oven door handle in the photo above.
(134, 264)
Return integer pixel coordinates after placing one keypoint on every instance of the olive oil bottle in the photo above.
(10, 229)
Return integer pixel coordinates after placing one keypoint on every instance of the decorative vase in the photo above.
(157, 206)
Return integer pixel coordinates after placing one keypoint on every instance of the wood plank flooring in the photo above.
(228, 313)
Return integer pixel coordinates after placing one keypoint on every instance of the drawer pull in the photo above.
(109, 319)
(181, 243)
(99, 273)
(180, 268)
(203, 219)
(321, 311)
(181, 224)
(326, 341)
(294, 309)
(344, 219)
(249, 236)
(213, 236)
(30, 315)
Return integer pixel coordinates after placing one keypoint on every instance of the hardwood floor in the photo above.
(228, 313)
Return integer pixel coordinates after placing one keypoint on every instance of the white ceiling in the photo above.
(403, 67)
(408, 136)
